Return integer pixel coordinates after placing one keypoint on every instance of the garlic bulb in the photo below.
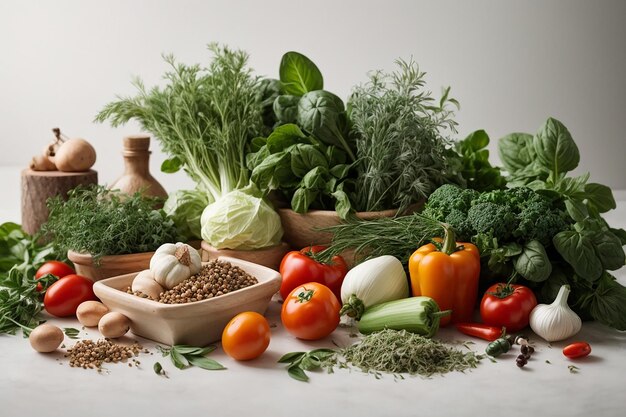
(555, 321)
(373, 282)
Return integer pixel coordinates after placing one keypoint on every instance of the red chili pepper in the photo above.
(577, 350)
(482, 331)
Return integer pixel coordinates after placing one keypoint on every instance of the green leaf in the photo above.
(171, 165)
(302, 199)
(286, 108)
(71, 332)
(477, 140)
(340, 171)
(335, 156)
(192, 350)
(600, 196)
(576, 209)
(342, 204)
(314, 179)
(273, 171)
(205, 363)
(178, 359)
(291, 357)
(555, 148)
(607, 302)
(577, 249)
(297, 373)
(573, 186)
(257, 143)
(620, 233)
(609, 250)
(304, 158)
(516, 151)
(533, 263)
(283, 137)
(299, 74)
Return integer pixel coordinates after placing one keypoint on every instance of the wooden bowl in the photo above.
(269, 257)
(110, 266)
(300, 230)
(198, 323)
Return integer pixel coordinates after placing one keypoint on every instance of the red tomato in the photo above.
(506, 305)
(310, 311)
(298, 268)
(64, 296)
(246, 336)
(57, 268)
(577, 350)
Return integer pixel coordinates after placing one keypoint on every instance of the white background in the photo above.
(510, 64)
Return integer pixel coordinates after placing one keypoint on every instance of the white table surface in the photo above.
(33, 384)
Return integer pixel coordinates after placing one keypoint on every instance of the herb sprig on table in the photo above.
(101, 222)
(184, 356)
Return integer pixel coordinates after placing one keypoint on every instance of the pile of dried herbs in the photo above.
(400, 352)
(388, 351)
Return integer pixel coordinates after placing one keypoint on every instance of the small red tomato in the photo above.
(64, 296)
(507, 305)
(577, 350)
(310, 311)
(246, 336)
(57, 268)
(299, 267)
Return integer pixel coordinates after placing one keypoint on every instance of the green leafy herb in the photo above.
(158, 369)
(71, 332)
(18, 248)
(204, 118)
(307, 361)
(102, 222)
(299, 75)
(20, 302)
(402, 152)
(477, 171)
(184, 356)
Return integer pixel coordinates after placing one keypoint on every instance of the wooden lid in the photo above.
(137, 143)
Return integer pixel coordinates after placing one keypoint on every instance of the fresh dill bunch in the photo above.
(203, 117)
(402, 152)
(100, 222)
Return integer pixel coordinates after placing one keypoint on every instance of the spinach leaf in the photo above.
(620, 233)
(323, 115)
(342, 203)
(299, 74)
(169, 166)
(577, 249)
(475, 166)
(283, 137)
(600, 196)
(609, 250)
(302, 199)
(269, 89)
(533, 263)
(555, 148)
(314, 179)
(516, 151)
(306, 157)
(606, 302)
(286, 108)
(273, 171)
(576, 209)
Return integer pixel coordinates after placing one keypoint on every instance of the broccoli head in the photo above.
(448, 198)
(538, 220)
(492, 219)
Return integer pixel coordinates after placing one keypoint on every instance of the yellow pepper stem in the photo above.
(449, 240)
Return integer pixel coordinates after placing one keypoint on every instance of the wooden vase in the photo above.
(136, 176)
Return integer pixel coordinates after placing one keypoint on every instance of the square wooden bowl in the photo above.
(198, 323)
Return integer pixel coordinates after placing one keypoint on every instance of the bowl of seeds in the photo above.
(195, 311)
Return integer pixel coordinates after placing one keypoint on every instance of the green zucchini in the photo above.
(418, 315)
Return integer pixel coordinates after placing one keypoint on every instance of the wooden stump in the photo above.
(38, 186)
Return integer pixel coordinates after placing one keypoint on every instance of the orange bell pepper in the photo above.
(448, 273)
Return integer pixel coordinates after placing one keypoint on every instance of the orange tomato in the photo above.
(246, 336)
(310, 311)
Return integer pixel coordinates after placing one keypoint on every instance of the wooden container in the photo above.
(269, 257)
(301, 230)
(196, 324)
(136, 176)
(109, 266)
(38, 186)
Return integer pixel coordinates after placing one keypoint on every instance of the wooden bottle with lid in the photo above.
(136, 175)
